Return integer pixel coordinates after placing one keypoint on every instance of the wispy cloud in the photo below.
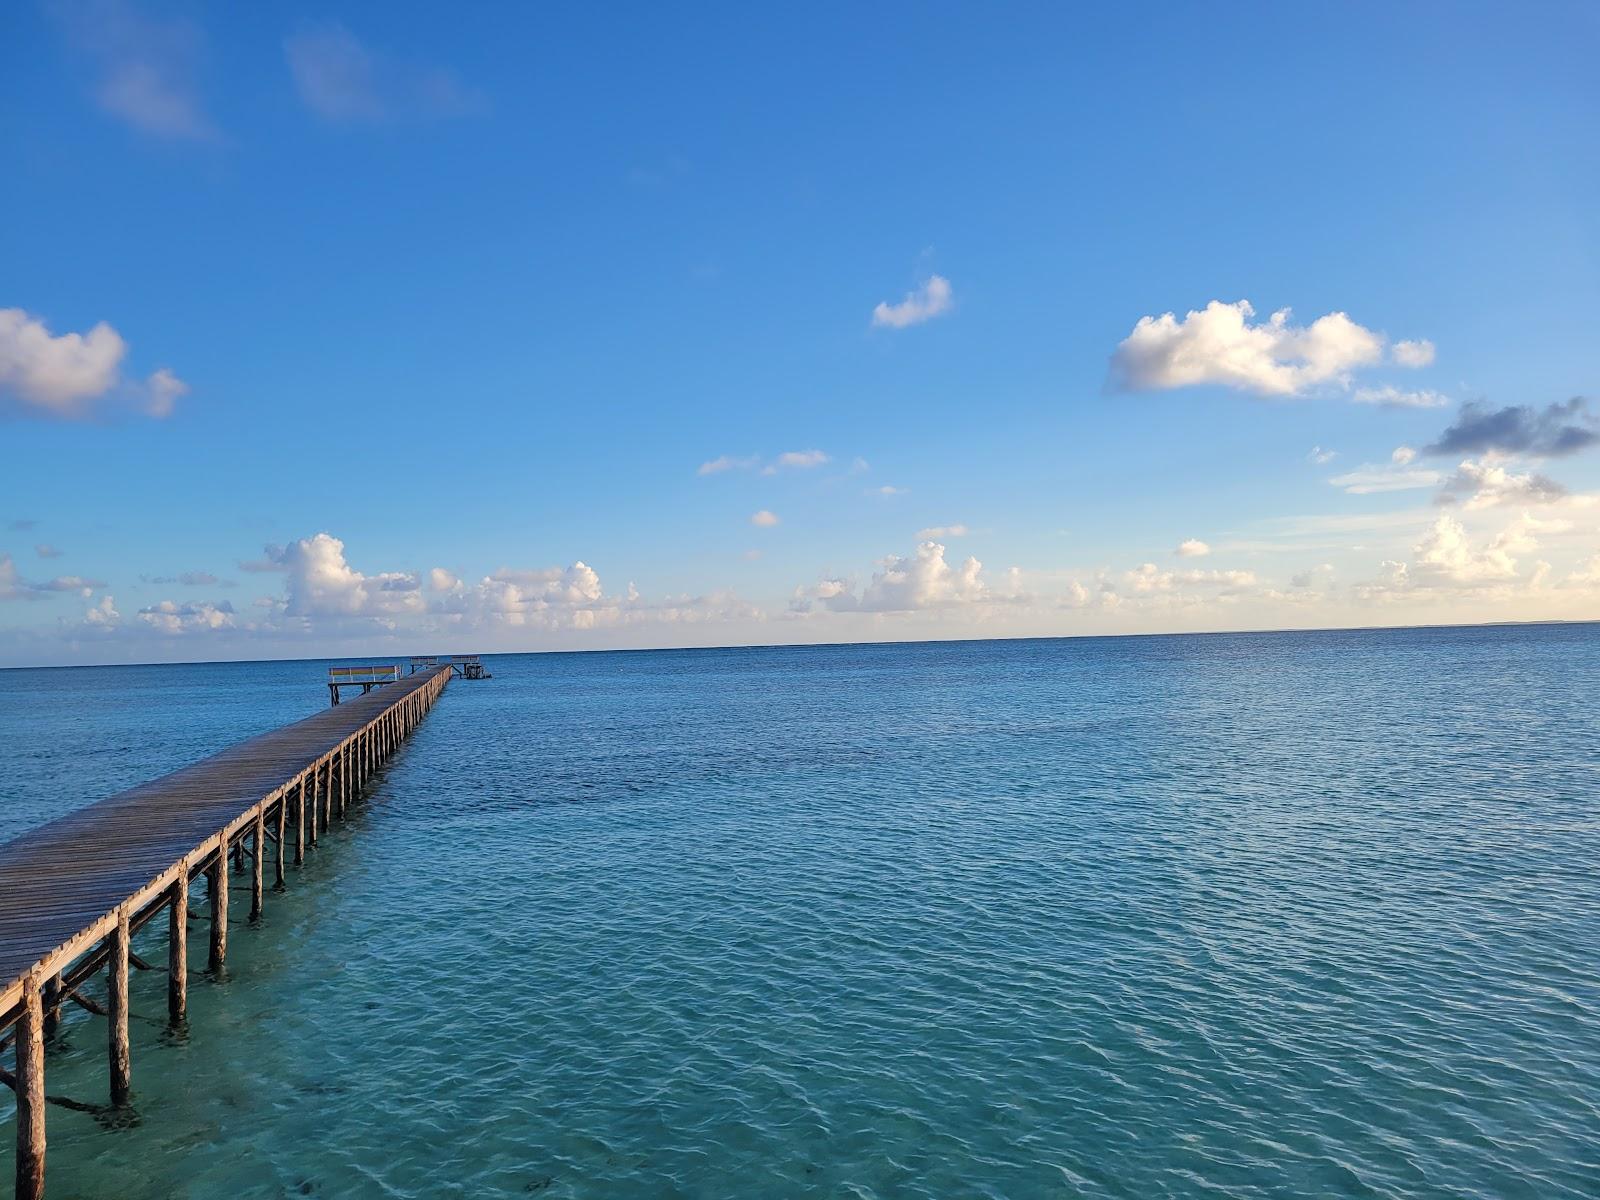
(14, 587)
(146, 67)
(1419, 353)
(765, 518)
(1397, 475)
(932, 299)
(726, 462)
(1388, 396)
(345, 81)
(793, 460)
(802, 459)
(937, 532)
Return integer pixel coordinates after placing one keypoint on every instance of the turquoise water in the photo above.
(1268, 915)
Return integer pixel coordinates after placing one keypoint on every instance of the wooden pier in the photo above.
(73, 892)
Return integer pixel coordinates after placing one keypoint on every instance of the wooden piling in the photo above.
(277, 864)
(300, 822)
(52, 1006)
(30, 1092)
(312, 814)
(219, 908)
(117, 1008)
(178, 947)
(256, 852)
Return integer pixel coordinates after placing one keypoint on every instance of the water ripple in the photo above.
(1239, 916)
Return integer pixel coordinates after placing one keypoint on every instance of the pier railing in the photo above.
(73, 892)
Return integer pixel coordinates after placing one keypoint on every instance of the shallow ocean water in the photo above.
(1254, 915)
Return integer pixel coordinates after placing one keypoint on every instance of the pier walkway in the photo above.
(73, 892)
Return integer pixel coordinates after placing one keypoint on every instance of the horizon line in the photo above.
(1053, 637)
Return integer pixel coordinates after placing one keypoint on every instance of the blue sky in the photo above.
(450, 315)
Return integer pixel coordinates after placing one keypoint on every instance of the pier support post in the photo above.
(256, 852)
(52, 1006)
(117, 1011)
(30, 1093)
(219, 909)
(178, 947)
(300, 821)
(277, 866)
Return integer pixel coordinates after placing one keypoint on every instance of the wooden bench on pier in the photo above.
(364, 677)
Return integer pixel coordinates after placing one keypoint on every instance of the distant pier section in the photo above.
(368, 676)
(467, 666)
(74, 893)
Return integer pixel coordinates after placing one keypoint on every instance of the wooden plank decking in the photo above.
(61, 885)
(73, 892)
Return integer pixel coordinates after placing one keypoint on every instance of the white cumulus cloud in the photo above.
(1447, 553)
(66, 375)
(922, 581)
(934, 298)
(319, 582)
(1192, 548)
(1221, 345)
(1484, 483)
(170, 617)
(103, 615)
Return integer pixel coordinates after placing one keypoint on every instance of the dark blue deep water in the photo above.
(1247, 916)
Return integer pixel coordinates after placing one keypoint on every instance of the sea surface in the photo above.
(1283, 915)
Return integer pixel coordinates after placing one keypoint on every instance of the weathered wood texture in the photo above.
(120, 1058)
(30, 1093)
(61, 885)
(178, 949)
